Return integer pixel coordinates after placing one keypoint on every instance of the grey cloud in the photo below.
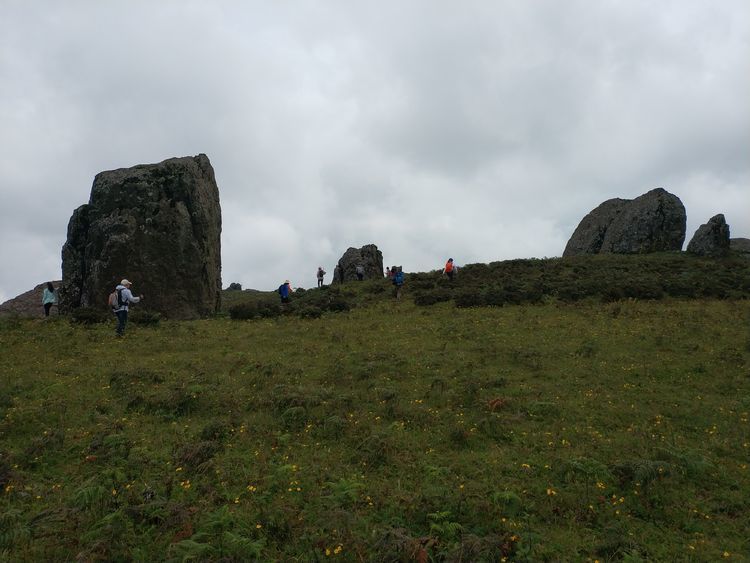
(484, 131)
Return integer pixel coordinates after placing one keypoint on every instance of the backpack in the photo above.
(398, 279)
(115, 299)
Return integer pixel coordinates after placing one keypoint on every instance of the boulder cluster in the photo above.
(159, 225)
(653, 222)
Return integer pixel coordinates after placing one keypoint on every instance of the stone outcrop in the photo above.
(368, 256)
(159, 225)
(652, 222)
(711, 239)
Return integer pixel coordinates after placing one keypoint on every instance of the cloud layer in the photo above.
(483, 131)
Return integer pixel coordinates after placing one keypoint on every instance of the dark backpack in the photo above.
(115, 299)
(398, 279)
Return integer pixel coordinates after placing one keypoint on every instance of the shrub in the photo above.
(427, 298)
(144, 318)
(89, 315)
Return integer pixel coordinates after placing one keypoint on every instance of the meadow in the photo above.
(599, 429)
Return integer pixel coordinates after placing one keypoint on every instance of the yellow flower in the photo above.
(258, 526)
(328, 552)
(338, 549)
(551, 492)
(726, 554)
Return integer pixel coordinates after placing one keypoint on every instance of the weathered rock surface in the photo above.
(711, 239)
(652, 222)
(159, 225)
(589, 235)
(368, 256)
(740, 245)
(29, 304)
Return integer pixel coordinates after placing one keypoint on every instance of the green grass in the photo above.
(392, 432)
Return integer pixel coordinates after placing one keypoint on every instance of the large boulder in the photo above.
(652, 222)
(159, 225)
(368, 256)
(589, 236)
(711, 239)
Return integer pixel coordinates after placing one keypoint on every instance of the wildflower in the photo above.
(236, 500)
(258, 526)
(600, 485)
(252, 488)
(551, 492)
(178, 469)
(525, 466)
(726, 554)
(339, 549)
(328, 551)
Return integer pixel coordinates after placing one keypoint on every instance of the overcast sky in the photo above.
(478, 130)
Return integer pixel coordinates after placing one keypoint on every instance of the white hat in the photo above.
(125, 282)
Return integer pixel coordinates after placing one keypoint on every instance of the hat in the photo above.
(125, 282)
(287, 281)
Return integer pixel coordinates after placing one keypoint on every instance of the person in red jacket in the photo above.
(449, 269)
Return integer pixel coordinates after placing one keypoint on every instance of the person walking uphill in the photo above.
(321, 273)
(48, 298)
(449, 269)
(119, 300)
(284, 290)
(397, 280)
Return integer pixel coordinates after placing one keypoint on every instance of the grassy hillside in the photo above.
(586, 429)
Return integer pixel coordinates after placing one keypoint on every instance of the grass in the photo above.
(391, 432)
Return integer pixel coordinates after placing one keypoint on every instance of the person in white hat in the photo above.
(284, 290)
(120, 306)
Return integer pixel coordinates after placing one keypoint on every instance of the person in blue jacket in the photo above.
(284, 290)
(48, 298)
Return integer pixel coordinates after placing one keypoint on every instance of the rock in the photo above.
(653, 222)
(368, 256)
(711, 239)
(234, 286)
(159, 225)
(589, 235)
(740, 245)
(29, 304)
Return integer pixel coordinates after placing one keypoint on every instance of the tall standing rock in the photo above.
(368, 256)
(652, 222)
(159, 225)
(711, 239)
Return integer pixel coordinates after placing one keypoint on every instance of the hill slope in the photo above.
(391, 432)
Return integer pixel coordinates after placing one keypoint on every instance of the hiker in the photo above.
(120, 308)
(48, 298)
(449, 270)
(284, 290)
(360, 272)
(321, 273)
(388, 272)
(398, 281)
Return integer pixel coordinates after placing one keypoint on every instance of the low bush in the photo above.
(427, 298)
(89, 316)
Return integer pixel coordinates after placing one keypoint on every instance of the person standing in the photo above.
(449, 269)
(48, 298)
(284, 290)
(398, 281)
(360, 270)
(321, 273)
(123, 298)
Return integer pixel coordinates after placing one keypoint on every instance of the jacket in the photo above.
(126, 297)
(48, 297)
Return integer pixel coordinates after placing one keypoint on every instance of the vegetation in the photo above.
(554, 429)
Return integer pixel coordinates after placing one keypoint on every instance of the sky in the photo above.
(478, 130)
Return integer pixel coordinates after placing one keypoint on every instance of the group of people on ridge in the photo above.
(122, 296)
